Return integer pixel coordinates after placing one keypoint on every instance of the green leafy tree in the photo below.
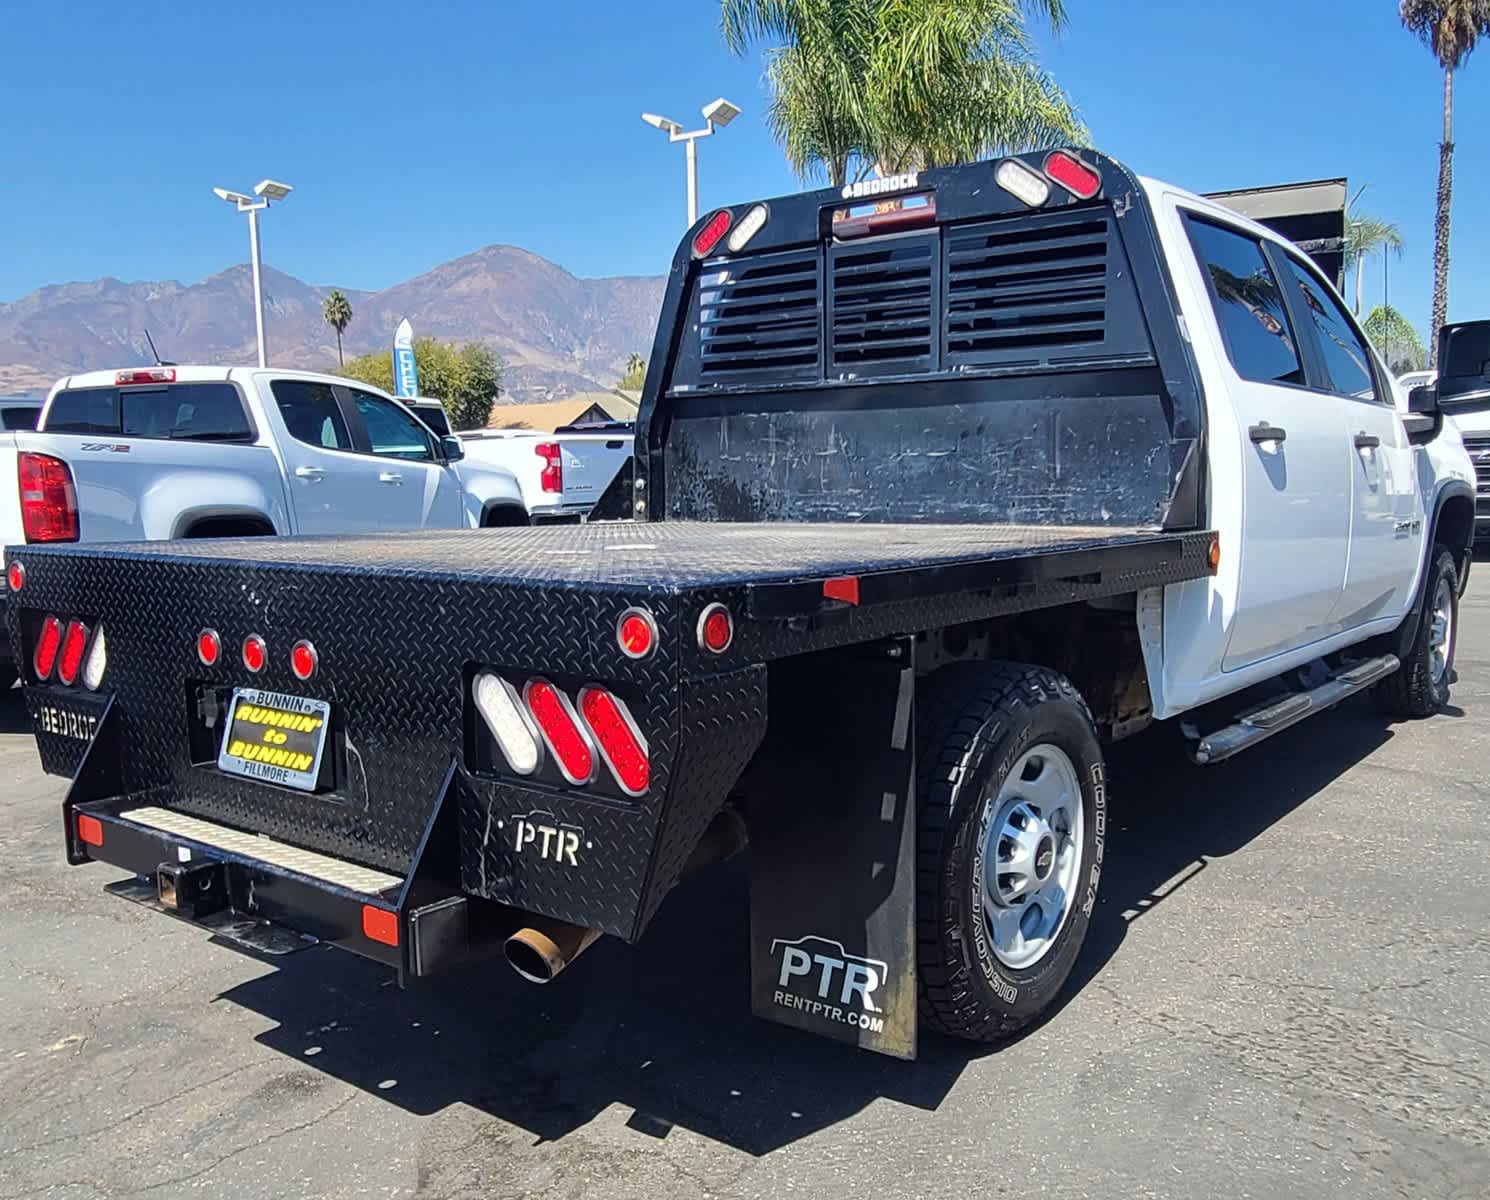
(901, 84)
(336, 311)
(1394, 336)
(466, 379)
(1450, 29)
(1365, 236)
(636, 373)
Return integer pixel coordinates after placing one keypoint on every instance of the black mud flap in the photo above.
(833, 849)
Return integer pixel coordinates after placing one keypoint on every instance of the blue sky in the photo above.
(414, 134)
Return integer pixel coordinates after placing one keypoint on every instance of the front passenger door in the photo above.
(420, 490)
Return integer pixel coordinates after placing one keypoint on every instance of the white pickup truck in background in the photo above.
(195, 451)
(1464, 355)
(562, 474)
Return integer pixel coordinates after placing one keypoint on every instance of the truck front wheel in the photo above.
(1420, 687)
(1010, 831)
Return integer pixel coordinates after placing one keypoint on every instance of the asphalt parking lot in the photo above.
(1286, 993)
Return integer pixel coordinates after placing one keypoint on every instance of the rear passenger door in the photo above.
(1385, 518)
(1295, 456)
(334, 487)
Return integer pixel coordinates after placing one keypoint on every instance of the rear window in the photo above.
(433, 416)
(204, 412)
(19, 417)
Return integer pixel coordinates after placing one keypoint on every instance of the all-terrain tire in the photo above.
(974, 723)
(1413, 690)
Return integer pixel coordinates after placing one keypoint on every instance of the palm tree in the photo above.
(634, 363)
(902, 84)
(1397, 340)
(1364, 236)
(336, 311)
(1450, 29)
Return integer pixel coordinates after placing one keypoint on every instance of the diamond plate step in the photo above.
(265, 849)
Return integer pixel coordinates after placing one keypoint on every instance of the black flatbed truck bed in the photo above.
(877, 455)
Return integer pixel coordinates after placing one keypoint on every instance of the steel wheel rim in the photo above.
(1031, 858)
(1441, 631)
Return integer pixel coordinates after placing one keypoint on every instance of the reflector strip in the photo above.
(561, 730)
(74, 642)
(497, 702)
(380, 925)
(90, 830)
(48, 642)
(266, 850)
(96, 662)
(621, 743)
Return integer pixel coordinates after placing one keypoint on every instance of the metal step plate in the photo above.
(266, 850)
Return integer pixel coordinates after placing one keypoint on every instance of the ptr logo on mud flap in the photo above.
(819, 977)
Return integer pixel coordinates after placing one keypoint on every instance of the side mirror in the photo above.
(1423, 399)
(452, 449)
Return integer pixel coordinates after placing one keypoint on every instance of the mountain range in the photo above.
(558, 334)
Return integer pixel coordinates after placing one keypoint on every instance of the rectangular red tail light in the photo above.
(551, 478)
(49, 504)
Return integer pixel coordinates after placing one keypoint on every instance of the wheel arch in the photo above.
(223, 521)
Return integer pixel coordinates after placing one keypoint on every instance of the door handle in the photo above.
(309, 472)
(390, 477)
(1266, 433)
(1366, 441)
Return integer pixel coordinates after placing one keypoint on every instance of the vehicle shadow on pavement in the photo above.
(13, 717)
(664, 1028)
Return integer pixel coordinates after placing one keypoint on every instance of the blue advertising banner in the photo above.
(405, 375)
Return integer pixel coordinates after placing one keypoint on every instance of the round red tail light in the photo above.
(209, 647)
(255, 653)
(303, 660)
(636, 631)
(15, 576)
(716, 629)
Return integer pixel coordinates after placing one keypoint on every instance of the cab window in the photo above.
(1248, 304)
(311, 414)
(392, 431)
(202, 412)
(1345, 357)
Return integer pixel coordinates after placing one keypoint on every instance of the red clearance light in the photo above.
(621, 743)
(551, 478)
(561, 732)
(716, 629)
(885, 216)
(209, 647)
(636, 632)
(842, 587)
(49, 504)
(1073, 174)
(74, 642)
(148, 375)
(15, 576)
(303, 660)
(255, 653)
(90, 830)
(48, 642)
(714, 229)
(380, 925)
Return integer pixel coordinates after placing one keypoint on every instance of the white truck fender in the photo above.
(176, 501)
(486, 489)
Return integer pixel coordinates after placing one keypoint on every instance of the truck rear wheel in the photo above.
(1420, 687)
(1010, 830)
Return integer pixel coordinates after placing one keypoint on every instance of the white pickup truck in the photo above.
(562, 474)
(940, 486)
(17, 414)
(1464, 396)
(195, 451)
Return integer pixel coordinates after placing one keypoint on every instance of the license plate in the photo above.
(275, 738)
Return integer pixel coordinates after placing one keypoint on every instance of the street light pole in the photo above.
(717, 115)
(265, 191)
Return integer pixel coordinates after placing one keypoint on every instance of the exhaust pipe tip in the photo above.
(538, 955)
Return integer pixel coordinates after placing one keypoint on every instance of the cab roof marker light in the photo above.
(96, 662)
(148, 375)
(710, 235)
(750, 225)
(1081, 180)
(498, 703)
(1022, 182)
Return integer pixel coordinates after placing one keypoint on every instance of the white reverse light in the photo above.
(1022, 182)
(96, 662)
(746, 228)
(500, 707)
